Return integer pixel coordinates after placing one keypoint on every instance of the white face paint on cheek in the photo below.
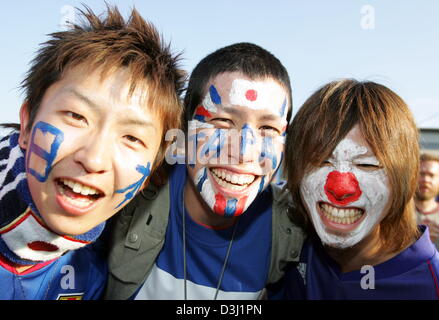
(375, 195)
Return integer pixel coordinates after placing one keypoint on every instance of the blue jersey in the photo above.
(412, 274)
(247, 267)
(79, 274)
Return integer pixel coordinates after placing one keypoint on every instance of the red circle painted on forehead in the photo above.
(251, 95)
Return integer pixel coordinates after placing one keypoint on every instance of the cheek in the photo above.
(312, 187)
(44, 145)
(271, 155)
(376, 190)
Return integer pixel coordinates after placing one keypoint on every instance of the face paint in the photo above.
(344, 201)
(238, 155)
(84, 147)
(131, 190)
(255, 94)
(39, 150)
(247, 137)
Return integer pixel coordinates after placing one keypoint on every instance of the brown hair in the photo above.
(112, 43)
(387, 125)
(429, 157)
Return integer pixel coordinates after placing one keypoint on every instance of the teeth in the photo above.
(341, 215)
(80, 188)
(235, 179)
(80, 203)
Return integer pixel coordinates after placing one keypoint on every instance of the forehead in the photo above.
(430, 166)
(106, 94)
(353, 145)
(233, 89)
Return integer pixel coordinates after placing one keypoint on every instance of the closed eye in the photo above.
(368, 166)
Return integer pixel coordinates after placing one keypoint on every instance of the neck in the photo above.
(369, 251)
(426, 205)
(200, 212)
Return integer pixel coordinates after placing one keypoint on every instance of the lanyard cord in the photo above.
(235, 227)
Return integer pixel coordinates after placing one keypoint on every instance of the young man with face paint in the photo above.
(217, 229)
(99, 98)
(352, 160)
(427, 204)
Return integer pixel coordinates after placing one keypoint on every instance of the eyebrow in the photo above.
(95, 106)
(265, 117)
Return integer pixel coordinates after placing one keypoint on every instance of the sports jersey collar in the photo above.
(419, 252)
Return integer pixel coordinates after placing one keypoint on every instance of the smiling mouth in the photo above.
(232, 180)
(77, 194)
(345, 216)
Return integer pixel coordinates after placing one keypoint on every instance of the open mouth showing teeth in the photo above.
(232, 181)
(341, 215)
(77, 194)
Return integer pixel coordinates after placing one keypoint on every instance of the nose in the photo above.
(247, 140)
(342, 188)
(94, 155)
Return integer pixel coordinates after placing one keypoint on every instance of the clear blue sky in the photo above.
(395, 43)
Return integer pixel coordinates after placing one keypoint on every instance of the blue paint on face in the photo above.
(193, 140)
(230, 208)
(268, 151)
(48, 156)
(200, 118)
(214, 95)
(261, 185)
(202, 180)
(282, 109)
(247, 137)
(131, 190)
(215, 143)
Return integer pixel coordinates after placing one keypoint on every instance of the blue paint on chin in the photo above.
(214, 95)
(132, 189)
(230, 208)
(49, 156)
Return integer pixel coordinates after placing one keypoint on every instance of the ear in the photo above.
(24, 121)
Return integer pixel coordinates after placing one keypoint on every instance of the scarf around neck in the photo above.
(24, 237)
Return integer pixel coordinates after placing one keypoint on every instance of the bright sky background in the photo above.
(395, 43)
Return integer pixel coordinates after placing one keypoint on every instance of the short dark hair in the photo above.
(247, 58)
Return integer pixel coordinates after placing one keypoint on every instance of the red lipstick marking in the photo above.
(342, 188)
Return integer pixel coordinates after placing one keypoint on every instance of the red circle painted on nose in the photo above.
(251, 95)
(342, 188)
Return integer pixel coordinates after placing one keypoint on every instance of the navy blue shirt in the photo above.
(412, 274)
(77, 275)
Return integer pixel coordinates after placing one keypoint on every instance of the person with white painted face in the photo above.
(218, 229)
(352, 160)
